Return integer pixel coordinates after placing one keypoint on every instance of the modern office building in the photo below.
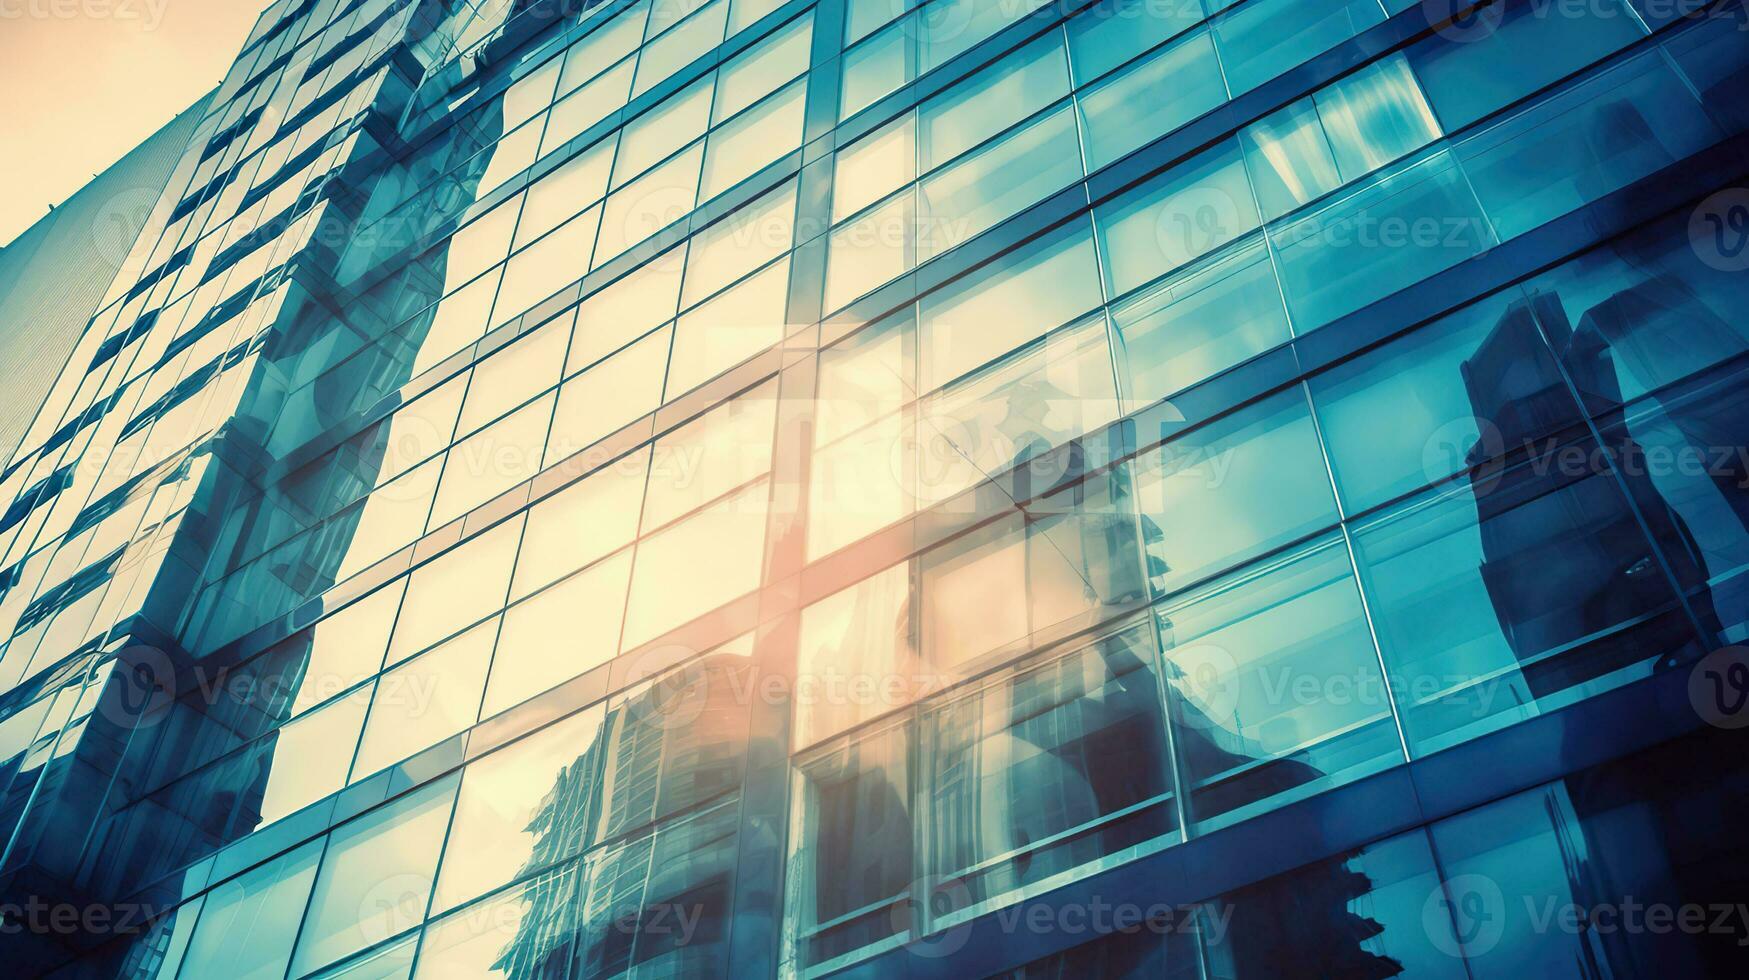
(927, 488)
(55, 272)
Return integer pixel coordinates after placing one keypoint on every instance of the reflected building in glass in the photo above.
(933, 488)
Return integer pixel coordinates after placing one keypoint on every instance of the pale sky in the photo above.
(82, 82)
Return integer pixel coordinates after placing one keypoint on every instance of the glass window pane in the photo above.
(426, 700)
(1289, 158)
(581, 523)
(547, 266)
(567, 630)
(762, 69)
(1244, 484)
(675, 766)
(1394, 230)
(509, 157)
(604, 46)
(391, 962)
(721, 332)
(347, 647)
(649, 204)
(492, 461)
(511, 376)
(698, 564)
(1382, 915)
(457, 321)
(483, 242)
(725, 448)
(864, 16)
(530, 94)
(626, 309)
(527, 932)
(1040, 286)
(311, 756)
(983, 189)
(1058, 766)
(680, 46)
(1014, 412)
(457, 589)
(1260, 40)
(754, 140)
(1453, 395)
(664, 14)
(524, 807)
(1471, 75)
(746, 13)
(391, 517)
(1189, 211)
(853, 869)
(872, 250)
(609, 396)
(951, 27)
(244, 929)
(1514, 593)
(1106, 35)
(559, 195)
(1199, 321)
(993, 589)
(1125, 112)
(740, 243)
(854, 641)
(655, 135)
(375, 878)
(592, 103)
(992, 100)
(861, 483)
(874, 166)
(636, 885)
(1241, 655)
(421, 429)
(1603, 134)
(1375, 115)
(868, 376)
(876, 68)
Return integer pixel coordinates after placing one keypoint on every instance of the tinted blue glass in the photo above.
(1512, 593)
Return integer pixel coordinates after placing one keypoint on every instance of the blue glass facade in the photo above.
(904, 487)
